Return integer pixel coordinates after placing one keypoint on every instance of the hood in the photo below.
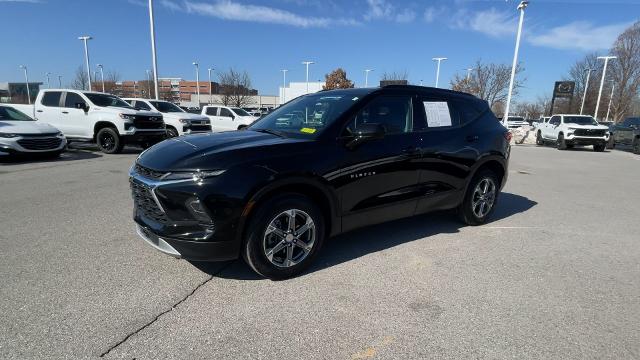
(185, 115)
(128, 111)
(210, 151)
(26, 127)
(591, 127)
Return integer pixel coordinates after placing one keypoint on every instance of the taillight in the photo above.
(508, 136)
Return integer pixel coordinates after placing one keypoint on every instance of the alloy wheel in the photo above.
(484, 196)
(289, 238)
(107, 141)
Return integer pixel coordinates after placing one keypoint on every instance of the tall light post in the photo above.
(197, 80)
(420, 82)
(101, 75)
(284, 86)
(154, 58)
(48, 80)
(586, 88)
(60, 81)
(469, 73)
(210, 91)
(523, 5)
(604, 75)
(439, 60)
(366, 77)
(307, 63)
(26, 81)
(148, 83)
(84, 39)
(613, 86)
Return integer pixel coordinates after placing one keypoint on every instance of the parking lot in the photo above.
(554, 275)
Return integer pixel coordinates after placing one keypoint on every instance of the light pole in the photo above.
(469, 73)
(523, 5)
(197, 81)
(26, 81)
(284, 86)
(586, 88)
(84, 39)
(60, 81)
(366, 77)
(148, 83)
(420, 82)
(154, 58)
(95, 75)
(101, 75)
(613, 86)
(48, 80)
(604, 74)
(210, 92)
(307, 63)
(439, 60)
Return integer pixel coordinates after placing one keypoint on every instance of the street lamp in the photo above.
(613, 86)
(439, 60)
(523, 5)
(154, 58)
(284, 86)
(210, 92)
(604, 74)
(197, 80)
(101, 75)
(307, 63)
(366, 77)
(84, 39)
(48, 80)
(469, 73)
(586, 87)
(60, 81)
(148, 83)
(26, 81)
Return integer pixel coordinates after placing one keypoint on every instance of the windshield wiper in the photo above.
(272, 132)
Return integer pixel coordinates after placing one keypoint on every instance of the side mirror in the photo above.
(82, 106)
(366, 132)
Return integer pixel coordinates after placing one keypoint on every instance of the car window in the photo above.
(51, 98)
(142, 105)
(11, 114)
(224, 112)
(555, 120)
(467, 111)
(72, 99)
(395, 113)
(212, 111)
(435, 113)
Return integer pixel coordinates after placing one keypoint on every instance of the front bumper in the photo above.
(586, 140)
(189, 250)
(145, 136)
(32, 145)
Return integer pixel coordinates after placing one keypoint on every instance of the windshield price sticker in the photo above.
(437, 113)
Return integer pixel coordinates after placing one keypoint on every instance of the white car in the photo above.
(178, 121)
(20, 134)
(569, 130)
(225, 118)
(516, 122)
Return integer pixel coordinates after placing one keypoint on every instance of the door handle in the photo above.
(65, 112)
(472, 138)
(38, 110)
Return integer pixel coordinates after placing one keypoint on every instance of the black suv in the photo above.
(626, 133)
(318, 166)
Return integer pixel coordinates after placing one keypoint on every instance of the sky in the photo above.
(265, 36)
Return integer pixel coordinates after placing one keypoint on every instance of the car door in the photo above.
(553, 128)
(622, 130)
(75, 119)
(49, 110)
(377, 179)
(226, 119)
(212, 113)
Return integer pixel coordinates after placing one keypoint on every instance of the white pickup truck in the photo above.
(93, 116)
(225, 118)
(178, 121)
(569, 130)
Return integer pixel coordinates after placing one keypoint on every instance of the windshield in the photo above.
(11, 114)
(240, 112)
(580, 120)
(307, 116)
(107, 100)
(515, 118)
(166, 107)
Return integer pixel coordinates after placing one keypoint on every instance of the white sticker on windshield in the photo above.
(437, 113)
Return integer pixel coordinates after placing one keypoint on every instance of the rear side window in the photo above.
(434, 113)
(212, 111)
(468, 111)
(51, 98)
(73, 99)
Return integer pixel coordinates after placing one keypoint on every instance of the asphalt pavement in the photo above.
(555, 275)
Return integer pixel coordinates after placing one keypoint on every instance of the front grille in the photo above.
(589, 132)
(148, 173)
(144, 202)
(198, 127)
(148, 122)
(40, 143)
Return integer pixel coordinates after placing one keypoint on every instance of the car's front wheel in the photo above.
(561, 144)
(284, 235)
(599, 147)
(480, 199)
(636, 146)
(109, 141)
(171, 132)
(611, 143)
(539, 140)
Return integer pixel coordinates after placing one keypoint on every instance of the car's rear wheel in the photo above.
(283, 237)
(599, 147)
(561, 144)
(636, 146)
(109, 141)
(611, 143)
(480, 199)
(539, 140)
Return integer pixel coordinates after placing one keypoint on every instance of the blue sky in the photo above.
(264, 36)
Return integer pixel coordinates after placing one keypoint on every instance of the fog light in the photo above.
(197, 210)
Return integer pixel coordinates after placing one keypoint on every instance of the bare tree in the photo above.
(337, 79)
(625, 72)
(110, 80)
(489, 82)
(578, 73)
(395, 76)
(235, 88)
(80, 81)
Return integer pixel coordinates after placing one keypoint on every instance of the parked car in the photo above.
(274, 192)
(178, 122)
(569, 130)
(105, 119)
(21, 134)
(225, 118)
(627, 133)
(516, 122)
(191, 110)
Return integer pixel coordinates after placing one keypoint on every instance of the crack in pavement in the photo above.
(166, 311)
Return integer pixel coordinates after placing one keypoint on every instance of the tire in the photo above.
(259, 242)
(171, 133)
(636, 146)
(599, 147)
(561, 144)
(539, 139)
(109, 141)
(611, 143)
(470, 211)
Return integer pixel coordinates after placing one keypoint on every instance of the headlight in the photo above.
(8, 135)
(126, 116)
(196, 176)
(60, 134)
(571, 129)
(185, 121)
